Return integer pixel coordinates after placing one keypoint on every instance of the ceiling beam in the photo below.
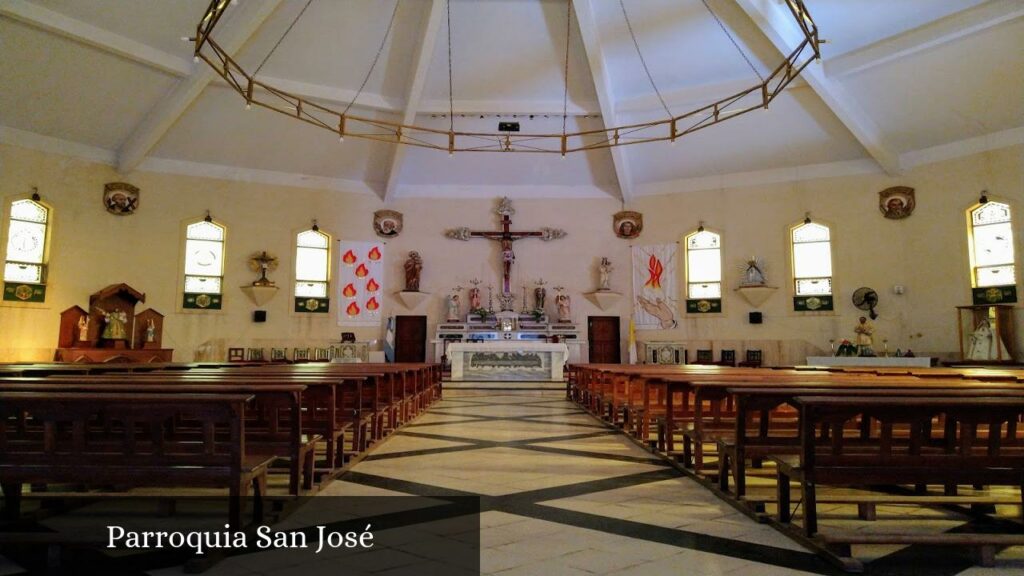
(424, 52)
(943, 31)
(243, 21)
(57, 23)
(587, 22)
(776, 23)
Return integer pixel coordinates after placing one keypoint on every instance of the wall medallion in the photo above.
(120, 198)
(628, 224)
(387, 223)
(896, 203)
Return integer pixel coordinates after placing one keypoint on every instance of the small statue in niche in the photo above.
(604, 271)
(864, 331)
(115, 327)
(753, 272)
(83, 329)
(150, 331)
(413, 267)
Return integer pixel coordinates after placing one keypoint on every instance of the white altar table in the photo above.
(507, 360)
(870, 361)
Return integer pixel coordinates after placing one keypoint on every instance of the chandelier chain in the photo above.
(629, 25)
(380, 49)
(281, 39)
(733, 40)
(565, 94)
(451, 95)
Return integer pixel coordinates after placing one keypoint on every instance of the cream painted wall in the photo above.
(927, 253)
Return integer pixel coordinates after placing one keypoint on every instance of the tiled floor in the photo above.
(564, 494)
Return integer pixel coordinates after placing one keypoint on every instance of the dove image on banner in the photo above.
(361, 283)
(654, 287)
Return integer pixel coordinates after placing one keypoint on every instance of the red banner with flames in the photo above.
(361, 283)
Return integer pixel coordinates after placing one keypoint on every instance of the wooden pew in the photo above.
(965, 457)
(69, 448)
(278, 433)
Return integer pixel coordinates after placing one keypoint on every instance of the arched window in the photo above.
(812, 266)
(312, 271)
(703, 271)
(990, 238)
(25, 264)
(204, 264)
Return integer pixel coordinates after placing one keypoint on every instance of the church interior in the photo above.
(512, 286)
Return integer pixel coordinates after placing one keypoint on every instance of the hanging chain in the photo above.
(380, 49)
(565, 95)
(643, 62)
(451, 96)
(281, 39)
(733, 40)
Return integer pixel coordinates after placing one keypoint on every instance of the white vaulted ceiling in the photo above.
(113, 80)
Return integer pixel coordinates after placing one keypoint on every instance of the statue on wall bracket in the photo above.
(628, 224)
(896, 203)
(387, 223)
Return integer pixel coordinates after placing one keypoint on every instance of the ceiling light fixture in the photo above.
(256, 92)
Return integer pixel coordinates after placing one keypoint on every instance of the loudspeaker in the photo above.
(755, 318)
(259, 316)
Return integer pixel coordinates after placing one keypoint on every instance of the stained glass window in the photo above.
(991, 240)
(204, 257)
(312, 264)
(26, 242)
(703, 265)
(812, 259)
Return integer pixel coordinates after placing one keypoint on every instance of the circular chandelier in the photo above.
(344, 125)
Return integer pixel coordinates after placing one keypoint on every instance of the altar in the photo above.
(507, 360)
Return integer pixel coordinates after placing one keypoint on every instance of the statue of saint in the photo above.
(83, 329)
(539, 296)
(116, 324)
(864, 331)
(453, 308)
(474, 298)
(413, 267)
(150, 331)
(754, 273)
(981, 343)
(564, 304)
(604, 274)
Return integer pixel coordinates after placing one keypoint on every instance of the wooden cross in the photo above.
(506, 236)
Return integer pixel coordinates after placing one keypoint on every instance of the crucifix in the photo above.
(506, 236)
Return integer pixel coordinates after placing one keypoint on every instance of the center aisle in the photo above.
(563, 494)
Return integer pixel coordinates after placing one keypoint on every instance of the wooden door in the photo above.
(410, 339)
(603, 336)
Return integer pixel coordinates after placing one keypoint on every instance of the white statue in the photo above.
(453, 308)
(604, 271)
(564, 307)
(753, 273)
(986, 344)
(150, 331)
